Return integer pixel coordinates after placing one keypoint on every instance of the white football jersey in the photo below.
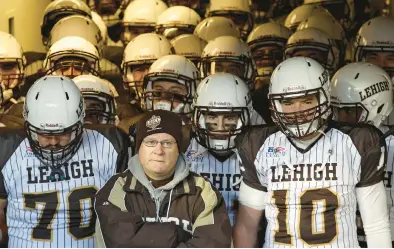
(45, 212)
(224, 175)
(311, 199)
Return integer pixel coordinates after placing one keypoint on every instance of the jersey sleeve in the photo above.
(248, 145)
(10, 139)
(372, 150)
(119, 139)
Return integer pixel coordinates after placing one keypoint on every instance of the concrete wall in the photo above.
(27, 16)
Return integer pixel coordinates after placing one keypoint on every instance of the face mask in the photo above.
(165, 105)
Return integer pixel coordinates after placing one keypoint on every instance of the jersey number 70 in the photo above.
(308, 201)
(43, 231)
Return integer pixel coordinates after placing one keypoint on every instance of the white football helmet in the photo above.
(295, 78)
(141, 17)
(228, 54)
(102, 26)
(236, 10)
(301, 13)
(342, 10)
(72, 56)
(331, 27)
(236, 101)
(213, 27)
(267, 43)
(376, 35)
(177, 20)
(190, 46)
(59, 9)
(101, 106)
(366, 88)
(318, 43)
(77, 26)
(171, 69)
(53, 107)
(142, 51)
(12, 62)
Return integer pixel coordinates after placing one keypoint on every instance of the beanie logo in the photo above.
(153, 122)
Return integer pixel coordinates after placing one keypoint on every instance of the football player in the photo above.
(190, 46)
(363, 93)
(177, 20)
(170, 85)
(12, 68)
(343, 10)
(236, 10)
(373, 45)
(228, 54)
(51, 170)
(138, 56)
(59, 9)
(140, 17)
(267, 44)
(99, 100)
(217, 119)
(213, 27)
(307, 175)
(72, 56)
(315, 44)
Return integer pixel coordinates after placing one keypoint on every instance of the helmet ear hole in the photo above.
(380, 108)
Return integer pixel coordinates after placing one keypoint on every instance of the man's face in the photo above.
(317, 55)
(93, 108)
(296, 107)
(221, 124)
(131, 32)
(8, 74)
(138, 72)
(167, 94)
(53, 142)
(72, 67)
(266, 58)
(158, 162)
(348, 114)
(380, 59)
(230, 67)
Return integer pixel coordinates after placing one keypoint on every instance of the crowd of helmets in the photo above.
(132, 56)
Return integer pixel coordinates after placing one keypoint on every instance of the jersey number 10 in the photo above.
(308, 201)
(50, 200)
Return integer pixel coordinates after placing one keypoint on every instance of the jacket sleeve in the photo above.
(211, 224)
(119, 227)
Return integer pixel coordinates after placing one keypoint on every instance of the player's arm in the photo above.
(370, 191)
(252, 195)
(373, 209)
(251, 208)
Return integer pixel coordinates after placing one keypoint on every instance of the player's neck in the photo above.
(306, 141)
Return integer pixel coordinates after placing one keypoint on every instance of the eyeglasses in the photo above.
(152, 143)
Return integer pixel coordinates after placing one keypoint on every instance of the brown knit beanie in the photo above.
(159, 121)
